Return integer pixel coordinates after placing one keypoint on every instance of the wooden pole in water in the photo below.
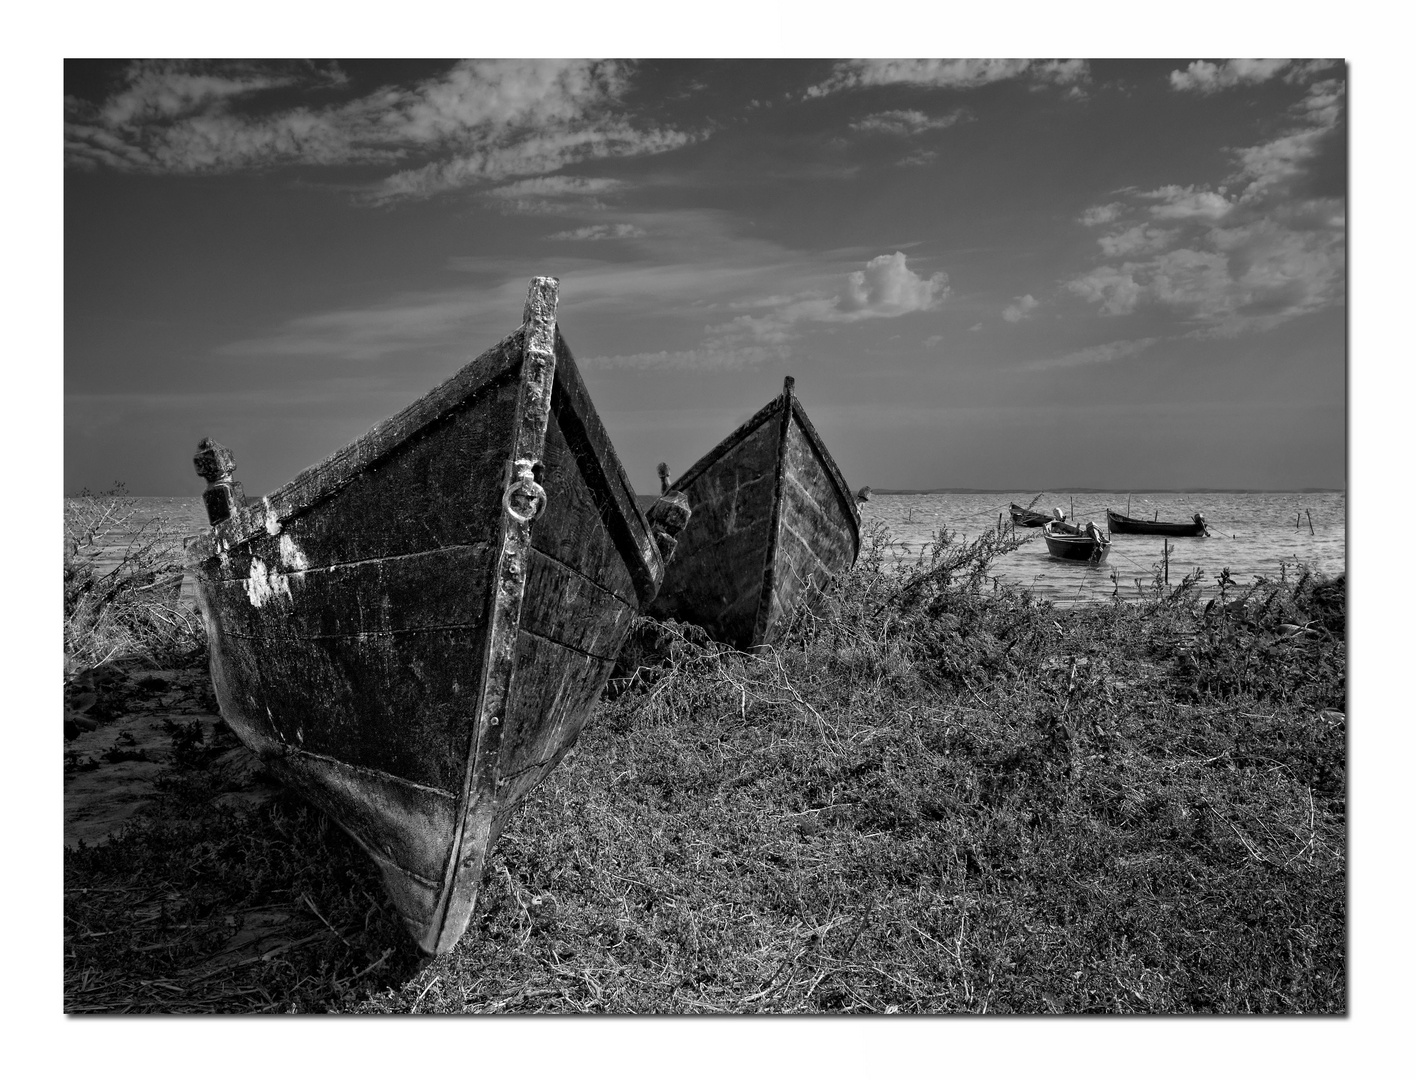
(1310, 523)
(1128, 504)
(1165, 555)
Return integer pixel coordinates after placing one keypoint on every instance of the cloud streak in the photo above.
(481, 122)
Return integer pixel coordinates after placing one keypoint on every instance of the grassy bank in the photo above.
(938, 795)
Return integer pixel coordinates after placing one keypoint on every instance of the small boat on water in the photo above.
(1120, 523)
(1085, 543)
(1031, 519)
(413, 632)
(773, 521)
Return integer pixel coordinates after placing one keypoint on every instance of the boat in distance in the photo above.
(773, 521)
(413, 632)
(1120, 523)
(1076, 543)
(1031, 519)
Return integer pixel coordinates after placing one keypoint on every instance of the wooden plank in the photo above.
(815, 541)
(574, 530)
(715, 577)
(579, 425)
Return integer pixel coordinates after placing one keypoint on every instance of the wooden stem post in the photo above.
(223, 496)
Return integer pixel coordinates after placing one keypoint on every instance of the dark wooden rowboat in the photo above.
(1120, 523)
(1076, 543)
(773, 521)
(1028, 519)
(413, 632)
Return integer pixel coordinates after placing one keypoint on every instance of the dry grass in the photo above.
(937, 796)
(122, 582)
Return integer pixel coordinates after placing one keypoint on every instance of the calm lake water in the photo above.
(1253, 534)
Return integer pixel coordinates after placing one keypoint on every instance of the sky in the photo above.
(998, 274)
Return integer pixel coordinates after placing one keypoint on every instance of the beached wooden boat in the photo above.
(773, 521)
(1085, 543)
(1029, 519)
(1120, 523)
(413, 632)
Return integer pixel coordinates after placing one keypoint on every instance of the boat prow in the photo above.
(1076, 543)
(413, 632)
(773, 521)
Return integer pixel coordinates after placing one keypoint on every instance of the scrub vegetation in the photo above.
(938, 795)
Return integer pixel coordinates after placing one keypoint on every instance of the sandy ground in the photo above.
(110, 772)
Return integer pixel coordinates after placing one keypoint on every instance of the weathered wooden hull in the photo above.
(1120, 523)
(1075, 548)
(414, 632)
(773, 521)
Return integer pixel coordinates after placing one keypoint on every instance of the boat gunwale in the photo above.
(320, 482)
(736, 436)
(1142, 527)
(327, 477)
(748, 426)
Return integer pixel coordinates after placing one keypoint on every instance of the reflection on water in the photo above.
(1253, 534)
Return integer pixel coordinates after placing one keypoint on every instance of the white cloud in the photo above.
(620, 231)
(1203, 77)
(1245, 257)
(1061, 72)
(1114, 288)
(1101, 215)
(852, 74)
(907, 122)
(1137, 240)
(1174, 202)
(885, 289)
(1019, 309)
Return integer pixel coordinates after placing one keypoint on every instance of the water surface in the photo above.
(1254, 534)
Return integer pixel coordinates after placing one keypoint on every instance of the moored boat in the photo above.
(773, 521)
(1031, 519)
(1085, 543)
(1120, 523)
(413, 632)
